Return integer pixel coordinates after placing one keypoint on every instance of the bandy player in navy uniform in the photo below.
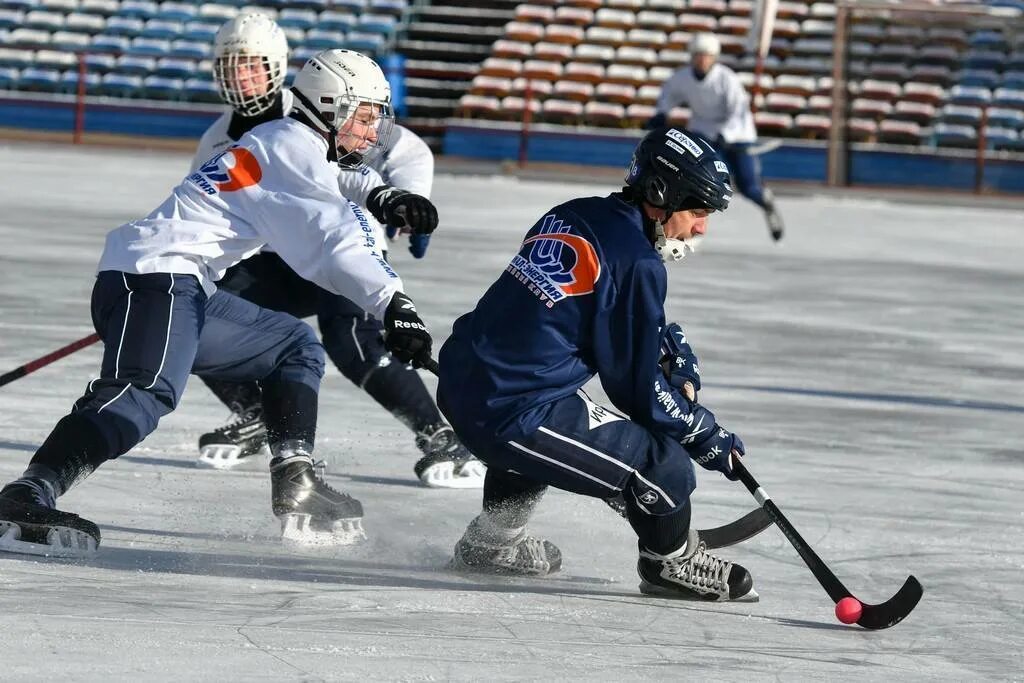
(585, 296)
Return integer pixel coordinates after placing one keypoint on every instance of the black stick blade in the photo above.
(893, 610)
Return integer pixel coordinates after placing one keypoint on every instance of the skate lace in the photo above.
(702, 570)
(320, 471)
(242, 418)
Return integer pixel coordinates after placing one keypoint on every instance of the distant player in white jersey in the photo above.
(720, 111)
(160, 315)
(250, 60)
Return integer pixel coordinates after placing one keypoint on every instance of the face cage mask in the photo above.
(672, 250)
(356, 135)
(249, 95)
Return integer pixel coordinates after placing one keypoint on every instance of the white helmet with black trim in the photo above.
(345, 96)
(250, 62)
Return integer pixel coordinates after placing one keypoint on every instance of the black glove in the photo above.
(405, 335)
(712, 446)
(403, 210)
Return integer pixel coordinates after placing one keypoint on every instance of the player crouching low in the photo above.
(585, 296)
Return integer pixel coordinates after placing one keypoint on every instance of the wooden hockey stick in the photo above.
(32, 366)
(882, 615)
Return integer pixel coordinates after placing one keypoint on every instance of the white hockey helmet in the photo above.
(250, 62)
(705, 44)
(344, 95)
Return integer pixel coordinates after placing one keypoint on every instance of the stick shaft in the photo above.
(34, 365)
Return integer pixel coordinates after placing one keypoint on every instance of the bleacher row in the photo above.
(601, 63)
(141, 48)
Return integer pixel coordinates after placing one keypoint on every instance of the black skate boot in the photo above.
(311, 512)
(446, 463)
(773, 217)
(231, 445)
(31, 524)
(692, 573)
(520, 555)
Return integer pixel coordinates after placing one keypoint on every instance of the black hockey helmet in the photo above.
(676, 170)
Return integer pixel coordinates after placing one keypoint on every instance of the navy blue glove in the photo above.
(656, 121)
(711, 445)
(417, 243)
(678, 361)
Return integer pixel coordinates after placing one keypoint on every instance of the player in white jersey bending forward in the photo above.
(161, 317)
(720, 111)
(251, 55)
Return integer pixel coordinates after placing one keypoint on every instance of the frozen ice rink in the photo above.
(873, 363)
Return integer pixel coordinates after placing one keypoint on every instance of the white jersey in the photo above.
(274, 187)
(407, 163)
(719, 104)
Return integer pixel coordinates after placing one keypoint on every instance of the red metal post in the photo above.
(524, 134)
(80, 101)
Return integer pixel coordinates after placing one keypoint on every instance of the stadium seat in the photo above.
(804, 86)
(103, 8)
(162, 29)
(140, 9)
(150, 47)
(66, 40)
(383, 24)
(924, 92)
(577, 91)
(1001, 138)
(642, 37)
(471, 106)
(984, 59)
(161, 88)
(124, 26)
(176, 11)
(496, 66)
(950, 135)
(542, 69)
(135, 65)
(107, 43)
(638, 114)
(982, 78)
(332, 20)
(663, 22)
(354, 6)
(119, 85)
(513, 49)
(896, 72)
(216, 13)
(200, 90)
(715, 8)
(562, 111)
(583, 71)
(558, 52)
(90, 24)
(561, 33)
(100, 63)
(899, 132)
(773, 125)
(1009, 98)
(578, 16)
(29, 37)
(15, 58)
(812, 126)
(819, 104)
(190, 49)
(586, 52)
(317, 39)
(617, 19)
(938, 74)
(867, 108)
(862, 130)
(673, 58)
(62, 6)
(698, 23)
(201, 31)
(628, 75)
(879, 90)
(604, 114)
(616, 93)
(918, 112)
(1006, 118)
(44, 21)
(734, 25)
(490, 86)
(56, 59)
(69, 81)
(678, 116)
(638, 56)
(946, 35)
(958, 114)
(39, 80)
(514, 108)
(785, 104)
(531, 89)
(938, 54)
(303, 19)
(521, 31)
(535, 14)
(19, 5)
(1012, 79)
(970, 95)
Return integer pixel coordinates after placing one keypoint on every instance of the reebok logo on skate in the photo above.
(649, 498)
(232, 170)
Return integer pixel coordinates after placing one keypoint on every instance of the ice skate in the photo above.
(311, 512)
(521, 555)
(236, 443)
(773, 217)
(692, 573)
(31, 525)
(446, 463)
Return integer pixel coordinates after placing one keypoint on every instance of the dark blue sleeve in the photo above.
(627, 340)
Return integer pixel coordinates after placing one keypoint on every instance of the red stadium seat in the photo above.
(604, 114)
(812, 126)
(616, 93)
(577, 91)
(562, 111)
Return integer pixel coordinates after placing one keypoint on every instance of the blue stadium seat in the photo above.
(1013, 79)
(325, 40)
(16, 58)
(124, 26)
(160, 88)
(69, 81)
(948, 135)
(1006, 118)
(298, 18)
(1015, 61)
(383, 24)
(315, 5)
(200, 31)
(988, 40)
(190, 49)
(960, 114)
(11, 18)
(394, 7)
(151, 47)
(982, 78)
(39, 80)
(1010, 98)
(45, 21)
(336, 21)
(364, 42)
(970, 95)
(23, 5)
(1001, 138)
(119, 85)
(177, 11)
(100, 63)
(162, 30)
(104, 42)
(197, 90)
(89, 24)
(8, 77)
(29, 37)
(103, 8)
(173, 67)
(65, 40)
(354, 6)
(133, 65)
(216, 12)
(140, 9)
(56, 59)
(984, 59)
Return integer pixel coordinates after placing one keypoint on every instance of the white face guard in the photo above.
(346, 97)
(672, 250)
(250, 63)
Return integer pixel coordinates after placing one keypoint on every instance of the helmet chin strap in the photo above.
(672, 250)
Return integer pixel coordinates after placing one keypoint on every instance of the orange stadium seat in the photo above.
(638, 114)
(698, 23)
(497, 66)
(819, 104)
(771, 124)
(734, 25)
(535, 14)
(786, 28)
(542, 69)
(627, 74)
(661, 21)
(636, 55)
(513, 49)
(924, 92)
(578, 16)
(608, 17)
(605, 35)
(791, 10)
(489, 85)
(531, 89)
(584, 71)
(564, 33)
(558, 52)
(604, 114)
(918, 112)
(648, 94)
(679, 40)
(673, 59)
(562, 111)
(714, 8)
(795, 85)
(643, 37)
(588, 4)
(616, 93)
(899, 132)
(741, 8)
(573, 90)
(880, 90)
(862, 130)
(812, 126)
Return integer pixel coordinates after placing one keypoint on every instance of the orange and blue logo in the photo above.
(234, 169)
(556, 263)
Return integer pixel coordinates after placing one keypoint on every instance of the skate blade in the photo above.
(536, 571)
(297, 531)
(60, 542)
(657, 591)
(228, 457)
(442, 476)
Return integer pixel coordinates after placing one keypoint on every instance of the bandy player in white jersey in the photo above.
(250, 55)
(161, 316)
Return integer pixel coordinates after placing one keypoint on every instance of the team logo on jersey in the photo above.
(231, 170)
(555, 263)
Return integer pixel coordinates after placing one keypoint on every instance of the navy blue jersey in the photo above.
(584, 296)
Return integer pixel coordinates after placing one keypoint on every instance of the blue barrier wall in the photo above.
(796, 160)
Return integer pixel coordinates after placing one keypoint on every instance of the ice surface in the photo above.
(873, 363)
